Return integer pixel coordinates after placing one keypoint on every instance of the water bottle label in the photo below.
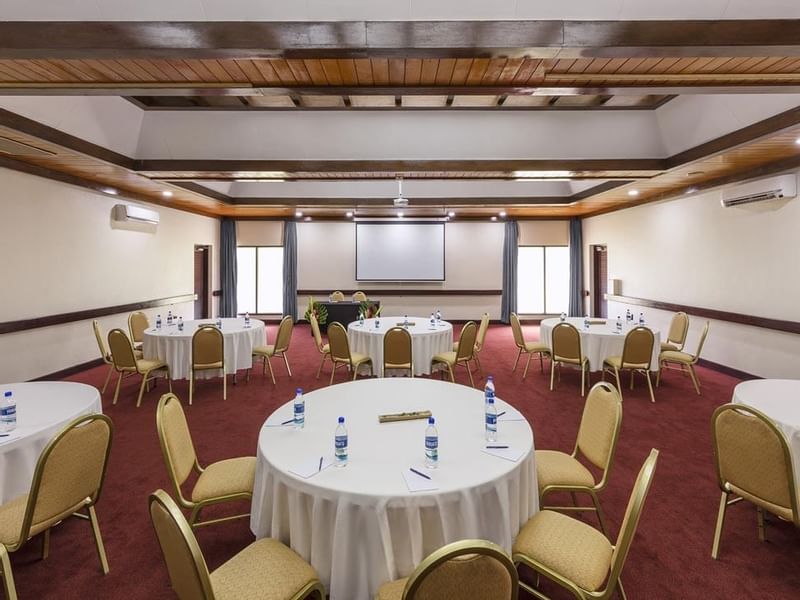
(8, 412)
(299, 409)
(341, 442)
(431, 442)
(491, 420)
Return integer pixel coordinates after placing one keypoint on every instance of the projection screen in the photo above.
(400, 251)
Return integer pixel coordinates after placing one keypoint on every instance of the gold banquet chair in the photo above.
(683, 359)
(324, 349)
(228, 480)
(359, 297)
(397, 350)
(279, 348)
(137, 324)
(597, 443)
(466, 350)
(68, 479)
(529, 348)
(637, 355)
(337, 296)
(577, 556)
(126, 364)
(9, 589)
(474, 569)
(479, 341)
(264, 569)
(678, 328)
(341, 354)
(567, 350)
(754, 463)
(208, 353)
(105, 354)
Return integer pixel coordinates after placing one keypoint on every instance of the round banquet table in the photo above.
(360, 526)
(601, 340)
(43, 409)
(779, 399)
(426, 341)
(175, 347)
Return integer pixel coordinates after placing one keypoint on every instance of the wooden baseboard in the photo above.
(727, 370)
(69, 371)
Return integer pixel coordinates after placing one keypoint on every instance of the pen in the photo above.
(501, 414)
(320, 465)
(413, 470)
(496, 447)
(287, 422)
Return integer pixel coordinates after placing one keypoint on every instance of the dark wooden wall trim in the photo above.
(710, 313)
(403, 292)
(92, 313)
(69, 371)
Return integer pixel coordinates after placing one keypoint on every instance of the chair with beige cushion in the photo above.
(567, 351)
(6, 575)
(683, 360)
(137, 324)
(67, 480)
(126, 364)
(337, 296)
(341, 356)
(324, 349)
(264, 569)
(754, 463)
(397, 350)
(105, 354)
(597, 442)
(480, 340)
(279, 348)
(474, 569)
(466, 350)
(577, 556)
(529, 348)
(637, 356)
(208, 354)
(228, 480)
(678, 328)
(359, 297)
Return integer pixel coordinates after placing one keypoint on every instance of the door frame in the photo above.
(208, 284)
(592, 277)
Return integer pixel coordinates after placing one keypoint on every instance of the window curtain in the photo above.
(290, 269)
(509, 299)
(576, 307)
(227, 267)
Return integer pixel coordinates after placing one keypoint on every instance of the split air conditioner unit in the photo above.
(761, 190)
(128, 213)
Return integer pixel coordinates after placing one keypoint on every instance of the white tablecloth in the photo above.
(426, 341)
(176, 346)
(359, 526)
(600, 341)
(43, 409)
(779, 399)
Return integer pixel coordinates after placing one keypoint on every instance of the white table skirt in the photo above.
(779, 399)
(425, 340)
(359, 526)
(600, 341)
(43, 410)
(175, 346)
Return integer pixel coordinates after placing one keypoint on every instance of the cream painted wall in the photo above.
(60, 254)
(693, 251)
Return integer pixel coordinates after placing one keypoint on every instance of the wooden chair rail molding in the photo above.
(710, 313)
(92, 313)
(403, 292)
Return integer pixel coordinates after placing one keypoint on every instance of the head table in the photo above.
(360, 526)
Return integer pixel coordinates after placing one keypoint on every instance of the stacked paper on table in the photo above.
(310, 467)
(512, 454)
(417, 483)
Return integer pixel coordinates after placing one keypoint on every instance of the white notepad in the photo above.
(310, 467)
(512, 454)
(278, 420)
(417, 483)
(512, 414)
(8, 437)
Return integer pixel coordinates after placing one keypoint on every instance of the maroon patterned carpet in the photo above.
(670, 557)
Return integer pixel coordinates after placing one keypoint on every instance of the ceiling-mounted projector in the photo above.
(400, 201)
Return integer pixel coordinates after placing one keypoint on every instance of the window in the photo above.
(259, 279)
(542, 279)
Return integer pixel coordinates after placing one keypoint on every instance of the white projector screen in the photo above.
(400, 251)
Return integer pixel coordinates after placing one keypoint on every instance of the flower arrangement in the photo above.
(369, 309)
(317, 309)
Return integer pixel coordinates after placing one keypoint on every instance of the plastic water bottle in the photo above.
(433, 321)
(361, 319)
(169, 318)
(8, 412)
(641, 319)
(431, 444)
(628, 315)
(563, 316)
(489, 389)
(586, 322)
(219, 322)
(247, 320)
(491, 420)
(299, 409)
(438, 317)
(377, 322)
(619, 324)
(158, 321)
(405, 321)
(180, 323)
(340, 444)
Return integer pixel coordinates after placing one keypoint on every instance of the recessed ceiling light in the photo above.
(797, 141)
(307, 219)
(166, 194)
(494, 218)
(298, 214)
(111, 191)
(502, 213)
(691, 190)
(633, 192)
(400, 215)
(451, 214)
(349, 214)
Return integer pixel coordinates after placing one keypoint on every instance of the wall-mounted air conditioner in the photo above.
(761, 190)
(129, 213)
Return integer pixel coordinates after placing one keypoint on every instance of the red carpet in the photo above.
(670, 557)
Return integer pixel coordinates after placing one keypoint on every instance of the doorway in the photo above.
(599, 281)
(202, 283)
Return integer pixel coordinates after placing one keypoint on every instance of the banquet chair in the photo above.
(341, 356)
(324, 349)
(9, 589)
(68, 479)
(126, 364)
(397, 350)
(137, 324)
(227, 480)
(359, 297)
(337, 296)
(577, 556)
(754, 463)
(637, 356)
(474, 569)
(597, 442)
(279, 348)
(105, 354)
(208, 353)
(264, 569)
(466, 350)
(683, 359)
(567, 350)
(678, 328)
(529, 348)
(479, 341)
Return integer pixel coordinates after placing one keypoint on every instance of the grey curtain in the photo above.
(290, 269)
(509, 300)
(227, 267)
(576, 306)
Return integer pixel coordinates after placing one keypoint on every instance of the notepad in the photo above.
(10, 437)
(310, 467)
(278, 420)
(512, 454)
(512, 414)
(417, 483)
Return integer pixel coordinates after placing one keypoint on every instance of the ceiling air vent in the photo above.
(14, 148)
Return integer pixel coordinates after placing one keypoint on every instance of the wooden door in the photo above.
(201, 282)
(600, 281)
